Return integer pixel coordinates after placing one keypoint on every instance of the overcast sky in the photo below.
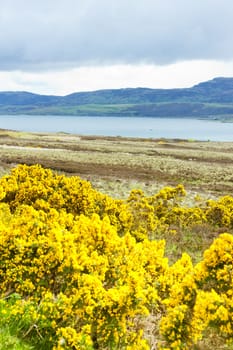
(62, 46)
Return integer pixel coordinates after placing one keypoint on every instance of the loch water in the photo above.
(180, 128)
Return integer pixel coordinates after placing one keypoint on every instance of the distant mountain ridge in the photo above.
(210, 99)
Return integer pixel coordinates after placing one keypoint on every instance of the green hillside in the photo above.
(211, 99)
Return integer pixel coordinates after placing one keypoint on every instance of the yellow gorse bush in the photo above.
(201, 297)
(79, 269)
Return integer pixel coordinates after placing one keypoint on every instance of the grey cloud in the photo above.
(53, 34)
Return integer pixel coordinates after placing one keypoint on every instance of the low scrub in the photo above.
(81, 270)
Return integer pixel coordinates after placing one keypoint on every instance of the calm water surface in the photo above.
(123, 126)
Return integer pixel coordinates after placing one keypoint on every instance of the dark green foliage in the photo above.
(211, 99)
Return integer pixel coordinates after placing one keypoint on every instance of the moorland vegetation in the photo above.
(80, 269)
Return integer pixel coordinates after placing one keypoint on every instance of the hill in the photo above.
(211, 99)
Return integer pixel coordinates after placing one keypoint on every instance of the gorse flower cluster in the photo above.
(78, 268)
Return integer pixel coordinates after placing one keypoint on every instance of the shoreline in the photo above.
(200, 129)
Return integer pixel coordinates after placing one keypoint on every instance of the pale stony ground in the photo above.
(116, 165)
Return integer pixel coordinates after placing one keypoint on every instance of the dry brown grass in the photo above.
(116, 165)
